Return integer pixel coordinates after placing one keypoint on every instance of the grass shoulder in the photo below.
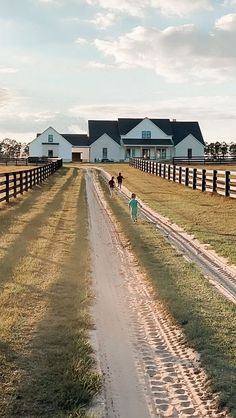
(207, 318)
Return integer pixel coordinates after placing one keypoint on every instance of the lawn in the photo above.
(12, 168)
(206, 317)
(47, 363)
(209, 217)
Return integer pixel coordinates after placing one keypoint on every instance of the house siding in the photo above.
(39, 146)
(146, 125)
(114, 150)
(181, 149)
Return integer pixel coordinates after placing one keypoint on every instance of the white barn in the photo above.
(160, 139)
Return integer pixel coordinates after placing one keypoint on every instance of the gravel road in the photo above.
(148, 369)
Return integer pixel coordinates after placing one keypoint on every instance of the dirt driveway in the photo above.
(148, 369)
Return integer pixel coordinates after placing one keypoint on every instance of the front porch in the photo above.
(157, 153)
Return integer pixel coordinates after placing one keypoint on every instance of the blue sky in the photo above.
(66, 61)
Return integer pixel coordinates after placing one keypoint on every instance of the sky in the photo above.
(64, 62)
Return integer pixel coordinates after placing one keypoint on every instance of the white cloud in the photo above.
(81, 41)
(227, 22)
(103, 20)
(169, 7)
(8, 70)
(177, 53)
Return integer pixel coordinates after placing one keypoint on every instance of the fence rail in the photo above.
(218, 181)
(18, 182)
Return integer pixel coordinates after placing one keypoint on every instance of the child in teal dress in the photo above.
(134, 205)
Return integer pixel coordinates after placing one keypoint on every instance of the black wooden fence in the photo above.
(18, 182)
(218, 181)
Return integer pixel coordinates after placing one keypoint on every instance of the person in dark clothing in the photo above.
(120, 178)
(111, 185)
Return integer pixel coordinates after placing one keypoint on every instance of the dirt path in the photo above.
(148, 369)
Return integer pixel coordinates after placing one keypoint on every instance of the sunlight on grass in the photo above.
(209, 217)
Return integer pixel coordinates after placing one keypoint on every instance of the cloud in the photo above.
(180, 108)
(227, 22)
(8, 70)
(81, 41)
(103, 20)
(177, 53)
(168, 7)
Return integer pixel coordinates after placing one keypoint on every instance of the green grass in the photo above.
(207, 319)
(209, 217)
(47, 363)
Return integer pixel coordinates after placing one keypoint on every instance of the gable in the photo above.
(42, 138)
(97, 128)
(182, 130)
(105, 140)
(149, 125)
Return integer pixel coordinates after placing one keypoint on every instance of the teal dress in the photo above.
(133, 205)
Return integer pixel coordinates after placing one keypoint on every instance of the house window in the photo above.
(50, 138)
(133, 152)
(50, 153)
(146, 134)
(163, 154)
(104, 153)
(127, 153)
(146, 153)
(190, 152)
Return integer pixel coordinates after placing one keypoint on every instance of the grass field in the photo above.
(208, 320)
(209, 217)
(47, 364)
(11, 168)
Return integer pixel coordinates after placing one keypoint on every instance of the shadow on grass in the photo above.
(31, 230)
(60, 377)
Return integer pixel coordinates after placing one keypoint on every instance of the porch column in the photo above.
(141, 151)
(155, 153)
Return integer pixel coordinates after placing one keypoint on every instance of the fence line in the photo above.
(18, 182)
(218, 181)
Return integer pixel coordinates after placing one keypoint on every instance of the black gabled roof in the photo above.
(133, 141)
(127, 124)
(77, 139)
(183, 129)
(97, 128)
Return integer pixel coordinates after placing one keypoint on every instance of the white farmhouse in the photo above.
(160, 139)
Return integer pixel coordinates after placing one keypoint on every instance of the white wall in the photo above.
(114, 150)
(63, 149)
(181, 150)
(146, 125)
(85, 151)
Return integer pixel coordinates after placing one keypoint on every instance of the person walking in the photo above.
(111, 186)
(119, 178)
(134, 206)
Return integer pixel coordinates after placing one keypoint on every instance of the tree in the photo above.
(232, 149)
(224, 149)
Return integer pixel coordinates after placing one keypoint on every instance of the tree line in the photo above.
(220, 149)
(10, 148)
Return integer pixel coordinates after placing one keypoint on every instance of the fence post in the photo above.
(156, 169)
(168, 171)
(14, 182)
(186, 176)
(180, 174)
(21, 182)
(164, 171)
(204, 180)
(214, 181)
(174, 172)
(227, 183)
(159, 169)
(7, 187)
(194, 178)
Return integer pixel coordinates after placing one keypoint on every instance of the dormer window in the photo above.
(146, 134)
(50, 138)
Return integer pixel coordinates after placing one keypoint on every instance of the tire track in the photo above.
(175, 381)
